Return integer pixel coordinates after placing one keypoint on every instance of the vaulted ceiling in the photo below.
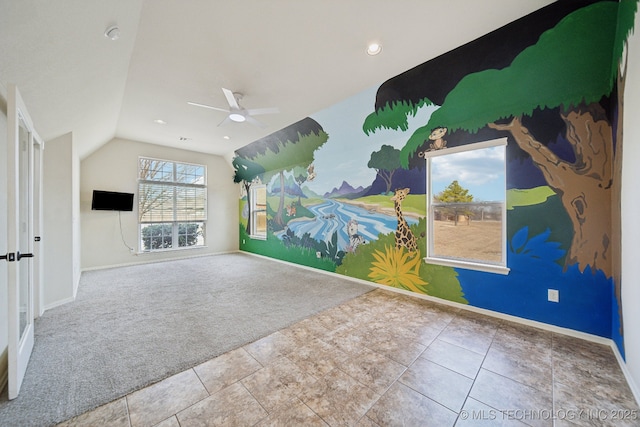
(299, 56)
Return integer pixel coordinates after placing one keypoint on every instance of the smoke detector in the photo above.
(112, 33)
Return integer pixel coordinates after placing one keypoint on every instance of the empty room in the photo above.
(331, 213)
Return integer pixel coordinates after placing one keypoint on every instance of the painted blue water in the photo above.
(332, 216)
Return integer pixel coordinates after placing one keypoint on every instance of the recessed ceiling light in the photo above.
(160, 122)
(112, 33)
(374, 49)
(226, 137)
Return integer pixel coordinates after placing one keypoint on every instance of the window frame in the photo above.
(254, 210)
(175, 185)
(430, 258)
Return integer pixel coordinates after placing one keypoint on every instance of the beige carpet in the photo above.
(132, 326)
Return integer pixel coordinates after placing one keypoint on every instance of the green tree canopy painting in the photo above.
(569, 68)
(429, 83)
(393, 116)
(281, 151)
(246, 170)
(385, 161)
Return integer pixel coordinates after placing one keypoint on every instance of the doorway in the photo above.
(24, 167)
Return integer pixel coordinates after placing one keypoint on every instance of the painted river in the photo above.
(332, 216)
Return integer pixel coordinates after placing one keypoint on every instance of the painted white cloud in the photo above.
(480, 171)
(345, 155)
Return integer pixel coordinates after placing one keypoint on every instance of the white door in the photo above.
(22, 143)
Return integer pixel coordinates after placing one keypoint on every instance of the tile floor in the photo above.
(386, 359)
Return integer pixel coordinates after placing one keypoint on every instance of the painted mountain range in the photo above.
(345, 190)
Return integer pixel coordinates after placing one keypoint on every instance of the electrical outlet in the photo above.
(553, 295)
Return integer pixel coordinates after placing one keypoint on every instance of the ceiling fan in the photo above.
(236, 113)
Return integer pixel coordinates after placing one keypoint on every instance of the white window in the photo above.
(172, 204)
(258, 212)
(466, 206)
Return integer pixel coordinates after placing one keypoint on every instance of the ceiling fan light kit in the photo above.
(237, 117)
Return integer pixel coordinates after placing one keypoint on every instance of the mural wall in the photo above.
(347, 187)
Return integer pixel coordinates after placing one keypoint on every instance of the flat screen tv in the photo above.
(111, 201)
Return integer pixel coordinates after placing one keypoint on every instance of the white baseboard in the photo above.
(62, 301)
(59, 303)
(153, 261)
(540, 325)
(75, 289)
(623, 365)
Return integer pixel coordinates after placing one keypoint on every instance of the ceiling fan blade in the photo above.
(231, 99)
(225, 121)
(255, 122)
(208, 106)
(258, 111)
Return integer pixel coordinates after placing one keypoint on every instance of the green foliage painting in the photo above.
(565, 68)
(393, 116)
(385, 162)
(291, 148)
(274, 247)
(380, 262)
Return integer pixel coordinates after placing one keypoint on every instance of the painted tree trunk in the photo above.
(584, 187)
(278, 219)
(387, 177)
(247, 188)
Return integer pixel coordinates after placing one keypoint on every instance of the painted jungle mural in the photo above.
(347, 187)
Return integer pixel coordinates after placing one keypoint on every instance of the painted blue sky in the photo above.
(345, 155)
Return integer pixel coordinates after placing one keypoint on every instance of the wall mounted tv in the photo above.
(111, 201)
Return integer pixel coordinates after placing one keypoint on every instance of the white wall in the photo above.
(114, 168)
(630, 210)
(61, 263)
(75, 218)
(4, 315)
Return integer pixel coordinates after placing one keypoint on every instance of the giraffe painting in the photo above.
(404, 236)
